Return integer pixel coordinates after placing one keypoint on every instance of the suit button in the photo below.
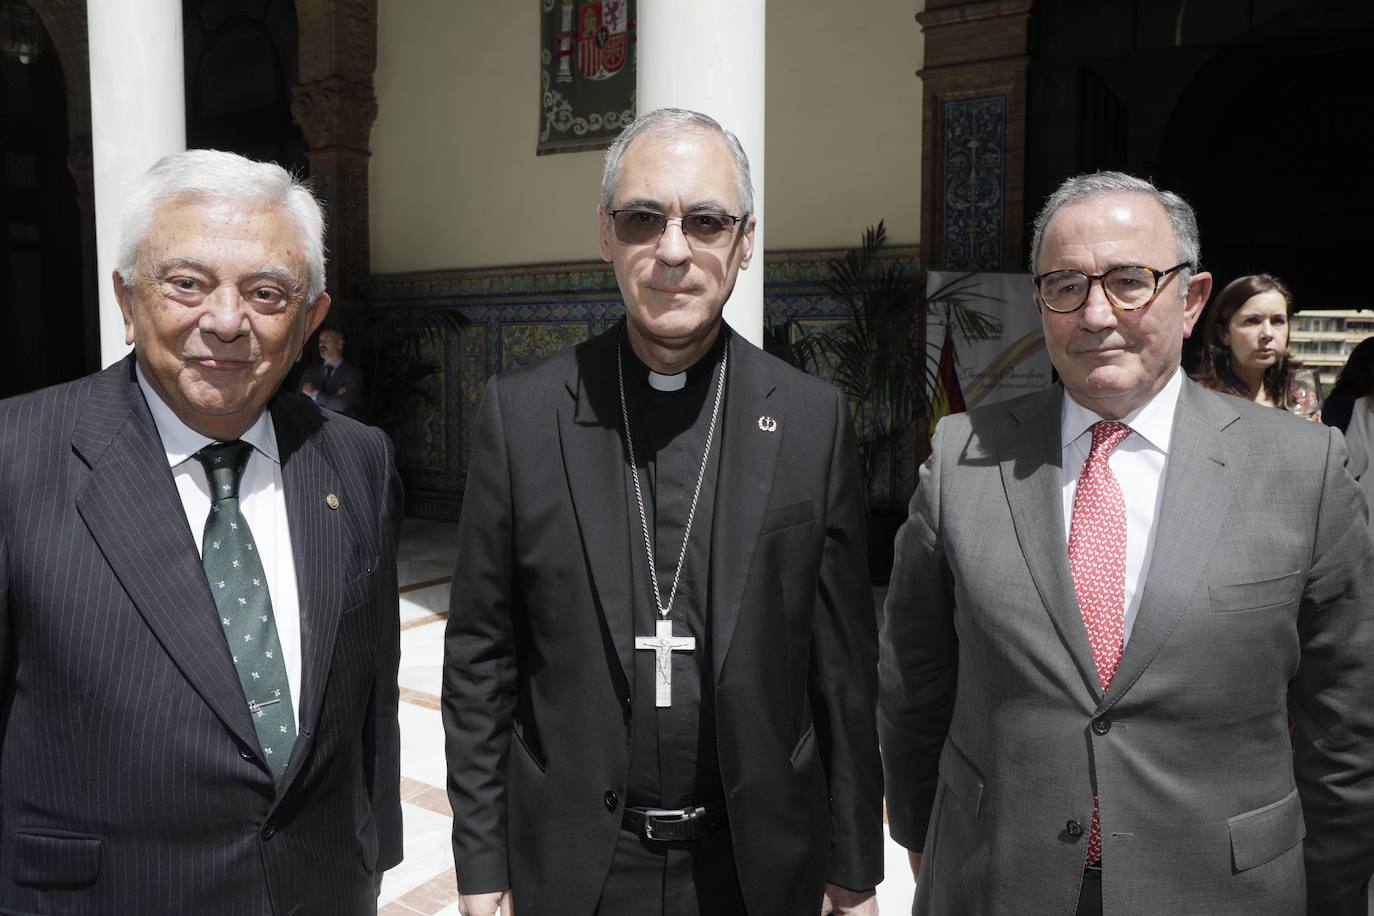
(269, 830)
(1102, 725)
(1074, 828)
(610, 800)
(245, 753)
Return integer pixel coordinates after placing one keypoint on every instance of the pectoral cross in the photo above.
(663, 644)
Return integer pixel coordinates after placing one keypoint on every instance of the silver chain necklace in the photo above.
(664, 609)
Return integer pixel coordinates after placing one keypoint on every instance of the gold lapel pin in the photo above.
(768, 424)
(331, 501)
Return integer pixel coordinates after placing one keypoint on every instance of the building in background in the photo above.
(1323, 338)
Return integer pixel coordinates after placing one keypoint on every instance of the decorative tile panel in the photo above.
(519, 315)
(973, 171)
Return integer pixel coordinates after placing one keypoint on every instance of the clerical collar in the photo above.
(697, 373)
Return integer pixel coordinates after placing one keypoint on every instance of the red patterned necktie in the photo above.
(1097, 559)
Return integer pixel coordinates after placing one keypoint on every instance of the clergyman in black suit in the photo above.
(660, 663)
(334, 383)
(198, 606)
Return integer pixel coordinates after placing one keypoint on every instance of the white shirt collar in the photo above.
(181, 442)
(1153, 421)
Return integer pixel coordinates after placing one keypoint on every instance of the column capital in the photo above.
(335, 113)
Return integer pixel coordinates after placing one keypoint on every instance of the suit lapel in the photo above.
(1031, 458)
(593, 453)
(744, 481)
(1202, 474)
(320, 548)
(130, 505)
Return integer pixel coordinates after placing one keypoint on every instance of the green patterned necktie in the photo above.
(245, 607)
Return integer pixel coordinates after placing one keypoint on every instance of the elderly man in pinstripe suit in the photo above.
(198, 627)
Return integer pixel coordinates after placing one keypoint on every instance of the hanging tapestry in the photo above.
(586, 73)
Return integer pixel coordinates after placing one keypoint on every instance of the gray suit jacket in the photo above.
(1256, 607)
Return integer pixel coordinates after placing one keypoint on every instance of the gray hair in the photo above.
(670, 121)
(1098, 184)
(216, 175)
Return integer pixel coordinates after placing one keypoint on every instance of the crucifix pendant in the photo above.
(663, 644)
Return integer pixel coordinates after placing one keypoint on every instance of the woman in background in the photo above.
(1245, 342)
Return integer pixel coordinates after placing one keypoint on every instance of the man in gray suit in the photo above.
(1128, 652)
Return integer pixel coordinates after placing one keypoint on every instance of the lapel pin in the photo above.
(768, 424)
(331, 501)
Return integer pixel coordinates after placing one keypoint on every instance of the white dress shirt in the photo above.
(1138, 464)
(262, 500)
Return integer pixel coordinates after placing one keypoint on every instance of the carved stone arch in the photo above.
(335, 106)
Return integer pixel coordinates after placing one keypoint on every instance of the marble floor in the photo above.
(424, 883)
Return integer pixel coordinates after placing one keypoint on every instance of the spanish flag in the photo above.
(947, 397)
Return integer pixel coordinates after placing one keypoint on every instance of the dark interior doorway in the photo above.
(51, 338)
(241, 62)
(1251, 109)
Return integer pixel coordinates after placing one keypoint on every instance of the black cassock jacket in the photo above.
(539, 650)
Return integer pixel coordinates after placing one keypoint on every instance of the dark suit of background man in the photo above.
(334, 383)
(563, 734)
(1221, 541)
(135, 777)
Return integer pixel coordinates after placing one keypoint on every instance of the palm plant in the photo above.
(878, 355)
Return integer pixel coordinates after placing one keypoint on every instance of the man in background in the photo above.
(334, 383)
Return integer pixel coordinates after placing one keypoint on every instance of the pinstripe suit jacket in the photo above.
(1256, 607)
(131, 778)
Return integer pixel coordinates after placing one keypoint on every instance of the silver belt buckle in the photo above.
(667, 814)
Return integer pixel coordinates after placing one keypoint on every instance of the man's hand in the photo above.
(915, 859)
(486, 904)
(341, 390)
(308, 390)
(841, 901)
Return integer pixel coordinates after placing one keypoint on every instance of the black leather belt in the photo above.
(675, 823)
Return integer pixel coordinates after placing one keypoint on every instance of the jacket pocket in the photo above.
(1254, 596)
(1265, 833)
(56, 858)
(962, 777)
(807, 742)
(786, 516)
(522, 747)
(357, 591)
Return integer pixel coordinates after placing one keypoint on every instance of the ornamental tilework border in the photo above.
(519, 315)
(973, 174)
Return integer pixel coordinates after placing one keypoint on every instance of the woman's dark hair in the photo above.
(1357, 376)
(1216, 371)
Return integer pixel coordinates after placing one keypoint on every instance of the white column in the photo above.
(138, 115)
(707, 55)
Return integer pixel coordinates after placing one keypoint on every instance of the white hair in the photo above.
(216, 175)
(1099, 184)
(670, 121)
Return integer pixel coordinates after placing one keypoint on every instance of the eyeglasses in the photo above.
(1127, 287)
(703, 230)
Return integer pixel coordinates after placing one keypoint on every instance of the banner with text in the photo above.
(1012, 359)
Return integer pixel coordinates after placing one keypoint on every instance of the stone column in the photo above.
(708, 55)
(335, 105)
(138, 115)
(973, 146)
